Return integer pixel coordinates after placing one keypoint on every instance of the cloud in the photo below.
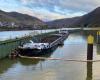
(9, 5)
(78, 5)
(41, 13)
(56, 9)
(46, 15)
(51, 9)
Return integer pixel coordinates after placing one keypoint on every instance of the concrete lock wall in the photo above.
(6, 47)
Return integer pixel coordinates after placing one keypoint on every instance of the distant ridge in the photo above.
(67, 22)
(19, 21)
(15, 19)
(25, 19)
(91, 19)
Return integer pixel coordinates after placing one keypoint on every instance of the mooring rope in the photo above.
(62, 59)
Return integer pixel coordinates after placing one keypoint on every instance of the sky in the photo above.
(48, 10)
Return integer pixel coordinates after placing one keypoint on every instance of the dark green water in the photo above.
(75, 47)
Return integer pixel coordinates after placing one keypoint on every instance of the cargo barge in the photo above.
(45, 45)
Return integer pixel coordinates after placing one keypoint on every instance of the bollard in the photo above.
(90, 47)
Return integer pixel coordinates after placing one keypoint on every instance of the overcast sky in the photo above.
(50, 9)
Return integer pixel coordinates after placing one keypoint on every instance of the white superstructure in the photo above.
(32, 45)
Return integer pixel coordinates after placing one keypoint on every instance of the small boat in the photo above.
(47, 43)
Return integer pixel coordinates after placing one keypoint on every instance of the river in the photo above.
(4, 35)
(75, 47)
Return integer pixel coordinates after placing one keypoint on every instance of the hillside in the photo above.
(91, 19)
(25, 19)
(67, 22)
(4, 17)
(18, 20)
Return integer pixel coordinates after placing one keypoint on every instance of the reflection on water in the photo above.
(89, 71)
(9, 65)
(5, 64)
(28, 62)
(75, 47)
(98, 49)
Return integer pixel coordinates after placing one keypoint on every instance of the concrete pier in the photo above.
(6, 47)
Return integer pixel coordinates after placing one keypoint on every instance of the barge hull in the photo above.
(36, 52)
(44, 51)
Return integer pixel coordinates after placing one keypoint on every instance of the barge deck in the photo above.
(44, 46)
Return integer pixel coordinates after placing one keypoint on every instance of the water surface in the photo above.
(4, 35)
(75, 47)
